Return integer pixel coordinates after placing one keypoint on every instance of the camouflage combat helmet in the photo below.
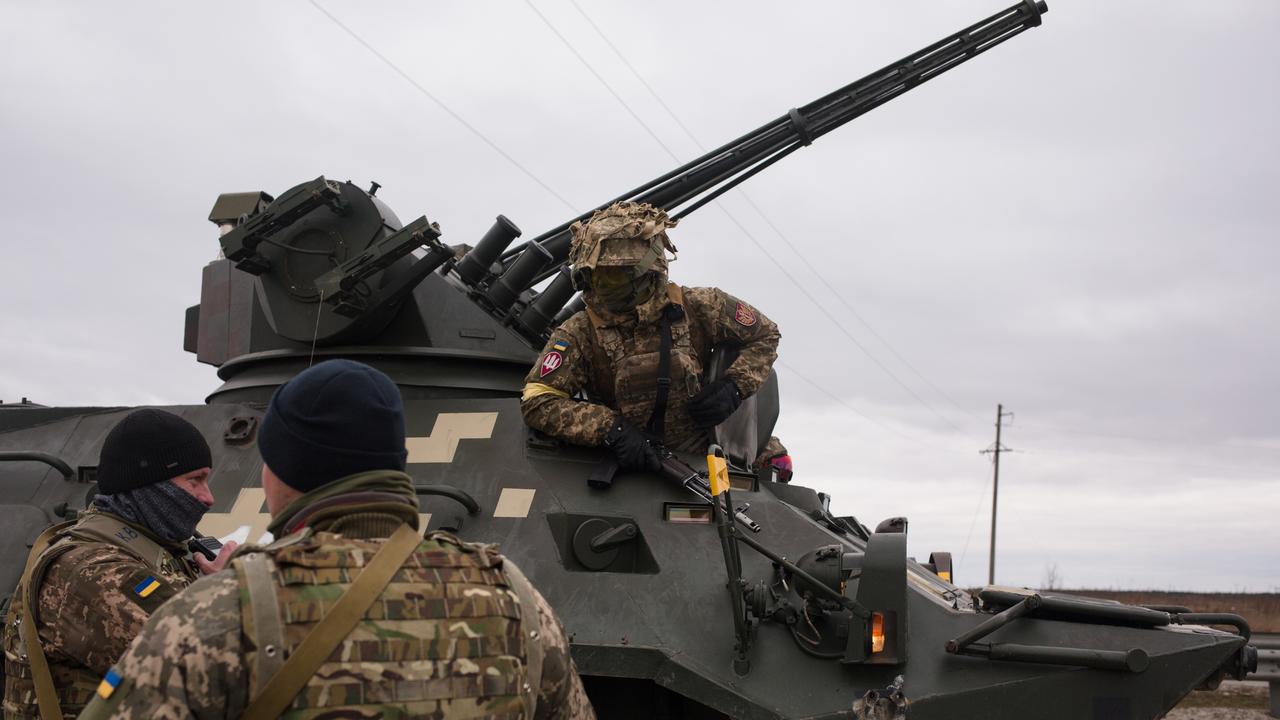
(625, 234)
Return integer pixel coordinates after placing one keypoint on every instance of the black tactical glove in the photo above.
(631, 447)
(714, 403)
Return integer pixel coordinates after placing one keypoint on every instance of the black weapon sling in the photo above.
(656, 428)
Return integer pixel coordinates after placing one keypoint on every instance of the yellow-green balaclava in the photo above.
(619, 256)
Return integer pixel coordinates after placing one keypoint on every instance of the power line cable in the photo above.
(426, 93)
(849, 306)
(634, 115)
(844, 403)
(1161, 461)
(795, 252)
(688, 133)
(1052, 429)
(973, 521)
(834, 321)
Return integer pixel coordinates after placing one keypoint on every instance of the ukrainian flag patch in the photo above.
(560, 346)
(147, 586)
(108, 684)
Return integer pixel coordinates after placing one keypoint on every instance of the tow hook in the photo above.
(1239, 666)
(885, 704)
(1244, 663)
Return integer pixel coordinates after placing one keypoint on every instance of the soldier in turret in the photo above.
(639, 348)
(351, 613)
(90, 584)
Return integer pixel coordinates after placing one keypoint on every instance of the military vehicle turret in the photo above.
(676, 609)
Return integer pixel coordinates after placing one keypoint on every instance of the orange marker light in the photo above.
(877, 632)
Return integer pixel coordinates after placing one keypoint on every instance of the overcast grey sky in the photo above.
(1080, 225)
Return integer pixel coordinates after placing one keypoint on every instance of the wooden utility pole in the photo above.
(995, 492)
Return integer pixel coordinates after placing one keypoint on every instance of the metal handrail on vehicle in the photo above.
(458, 495)
(1134, 660)
(52, 461)
(1054, 607)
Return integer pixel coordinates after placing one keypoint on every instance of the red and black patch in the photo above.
(744, 315)
(550, 362)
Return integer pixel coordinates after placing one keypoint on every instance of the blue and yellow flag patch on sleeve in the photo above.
(109, 684)
(147, 586)
(560, 346)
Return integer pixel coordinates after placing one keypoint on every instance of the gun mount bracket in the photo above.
(240, 430)
(804, 129)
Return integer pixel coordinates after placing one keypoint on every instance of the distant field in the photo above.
(1261, 610)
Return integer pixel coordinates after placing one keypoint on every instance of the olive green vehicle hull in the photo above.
(653, 634)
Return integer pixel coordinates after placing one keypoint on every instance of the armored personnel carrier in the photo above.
(756, 602)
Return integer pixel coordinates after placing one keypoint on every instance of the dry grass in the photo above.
(1261, 610)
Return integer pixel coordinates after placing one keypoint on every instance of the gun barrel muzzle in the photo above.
(503, 293)
(475, 265)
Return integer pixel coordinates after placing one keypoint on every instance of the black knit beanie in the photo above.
(149, 446)
(335, 419)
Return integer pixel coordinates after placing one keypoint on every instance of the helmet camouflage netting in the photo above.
(625, 234)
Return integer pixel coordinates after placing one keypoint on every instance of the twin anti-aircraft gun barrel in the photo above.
(505, 273)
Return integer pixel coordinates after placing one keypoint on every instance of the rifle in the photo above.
(672, 468)
(696, 482)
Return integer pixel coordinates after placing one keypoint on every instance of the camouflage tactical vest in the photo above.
(74, 683)
(633, 355)
(443, 640)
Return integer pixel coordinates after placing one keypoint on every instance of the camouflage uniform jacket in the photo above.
(444, 640)
(613, 359)
(95, 585)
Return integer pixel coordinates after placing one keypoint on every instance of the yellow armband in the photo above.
(533, 390)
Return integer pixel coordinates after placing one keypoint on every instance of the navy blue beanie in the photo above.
(335, 419)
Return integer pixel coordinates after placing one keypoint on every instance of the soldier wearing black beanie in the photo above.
(150, 446)
(336, 419)
(93, 582)
(153, 472)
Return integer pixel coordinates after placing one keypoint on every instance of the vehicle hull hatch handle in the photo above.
(458, 495)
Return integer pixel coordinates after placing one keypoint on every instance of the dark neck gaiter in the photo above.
(168, 510)
(387, 494)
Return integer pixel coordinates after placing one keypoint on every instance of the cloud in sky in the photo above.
(1079, 224)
